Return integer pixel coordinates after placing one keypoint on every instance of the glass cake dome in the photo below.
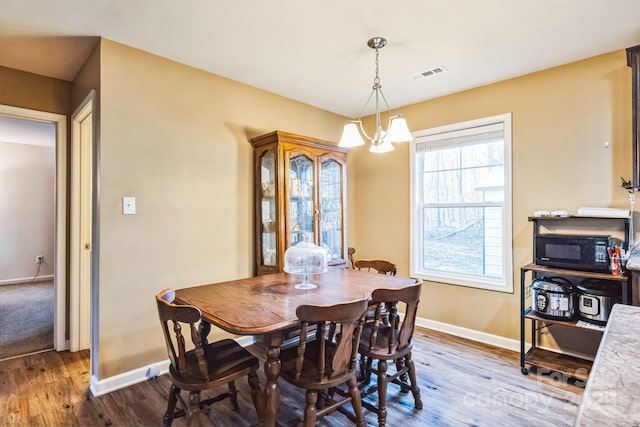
(305, 258)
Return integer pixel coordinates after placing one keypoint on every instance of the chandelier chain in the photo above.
(376, 80)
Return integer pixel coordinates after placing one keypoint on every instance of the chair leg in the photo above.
(382, 393)
(322, 399)
(415, 390)
(233, 395)
(171, 406)
(193, 411)
(354, 392)
(385, 319)
(404, 378)
(256, 395)
(310, 409)
(363, 367)
(367, 371)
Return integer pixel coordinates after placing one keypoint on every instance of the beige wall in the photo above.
(561, 118)
(176, 138)
(26, 90)
(26, 210)
(87, 79)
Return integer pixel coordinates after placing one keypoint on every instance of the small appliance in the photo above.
(596, 299)
(553, 298)
(573, 252)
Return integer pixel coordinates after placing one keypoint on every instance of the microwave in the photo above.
(574, 252)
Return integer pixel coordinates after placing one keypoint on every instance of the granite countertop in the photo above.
(612, 396)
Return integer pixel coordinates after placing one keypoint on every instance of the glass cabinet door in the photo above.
(331, 208)
(299, 196)
(300, 200)
(268, 207)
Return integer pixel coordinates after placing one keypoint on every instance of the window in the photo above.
(461, 204)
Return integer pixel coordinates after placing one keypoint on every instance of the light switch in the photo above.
(128, 205)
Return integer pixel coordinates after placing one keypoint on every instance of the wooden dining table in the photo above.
(266, 306)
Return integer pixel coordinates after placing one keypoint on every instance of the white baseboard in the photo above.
(126, 379)
(99, 387)
(471, 334)
(26, 280)
(485, 338)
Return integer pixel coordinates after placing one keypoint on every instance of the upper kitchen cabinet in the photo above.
(300, 195)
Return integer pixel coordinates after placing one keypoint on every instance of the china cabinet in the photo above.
(300, 196)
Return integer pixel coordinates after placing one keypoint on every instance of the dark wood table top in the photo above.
(268, 303)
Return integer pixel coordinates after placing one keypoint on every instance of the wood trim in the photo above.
(288, 137)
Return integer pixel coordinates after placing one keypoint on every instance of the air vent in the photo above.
(430, 72)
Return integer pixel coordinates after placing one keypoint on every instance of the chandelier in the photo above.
(397, 129)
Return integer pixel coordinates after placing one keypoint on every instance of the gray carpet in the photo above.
(26, 318)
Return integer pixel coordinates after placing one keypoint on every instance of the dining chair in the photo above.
(382, 266)
(205, 366)
(351, 251)
(390, 343)
(322, 364)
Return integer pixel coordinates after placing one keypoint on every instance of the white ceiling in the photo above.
(316, 52)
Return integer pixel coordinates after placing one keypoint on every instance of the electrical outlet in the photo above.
(39, 259)
(128, 205)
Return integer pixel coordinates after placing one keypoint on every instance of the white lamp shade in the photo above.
(350, 136)
(398, 130)
(384, 147)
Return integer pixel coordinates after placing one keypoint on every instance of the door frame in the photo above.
(60, 215)
(80, 306)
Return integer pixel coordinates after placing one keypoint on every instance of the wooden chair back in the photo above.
(382, 266)
(173, 318)
(350, 252)
(323, 363)
(335, 354)
(390, 343)
(400, 333)
(199, 365)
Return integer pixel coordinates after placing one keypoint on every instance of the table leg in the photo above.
(272, 371)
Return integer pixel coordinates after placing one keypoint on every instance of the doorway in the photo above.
(58, 257)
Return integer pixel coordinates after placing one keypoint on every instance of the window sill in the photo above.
(466, 281)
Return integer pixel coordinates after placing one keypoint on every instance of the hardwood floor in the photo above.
(462, 383)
